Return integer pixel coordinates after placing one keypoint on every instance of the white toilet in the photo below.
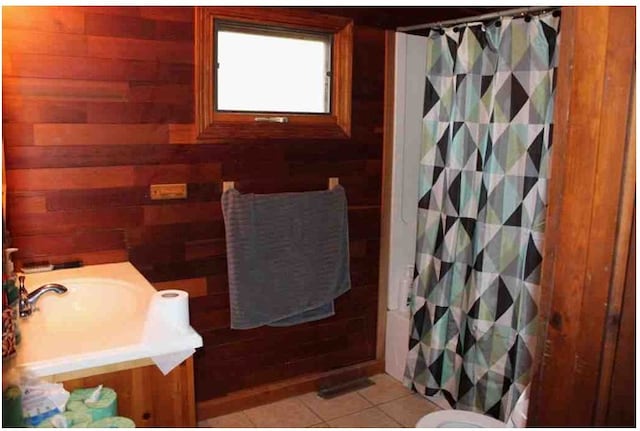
(458, 419)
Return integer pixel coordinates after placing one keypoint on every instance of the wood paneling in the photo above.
(34, 42)
(194, 286)
(397, 16)
(42, 246)
(586, 207)
(138, 113)
(17, 134)
(58, 66)
(193, 173)
(124, 26)
(92, 257)
(100, 134)
(621, 409)
(616, 398)
(182, 213)
(15, 110)
(70, 178)
(66, 89)
(171, 13)
(136, 49)
(167, 93)
(26, 203)
(68, 221)
(146, 396)
(58, 20)
(89, 126)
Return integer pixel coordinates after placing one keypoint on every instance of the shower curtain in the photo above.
(486, 138)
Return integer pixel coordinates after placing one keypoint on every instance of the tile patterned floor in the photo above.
(387, 404)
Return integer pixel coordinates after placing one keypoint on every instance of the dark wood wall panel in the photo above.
(98, 105)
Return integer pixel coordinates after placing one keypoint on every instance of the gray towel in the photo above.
(287, 256)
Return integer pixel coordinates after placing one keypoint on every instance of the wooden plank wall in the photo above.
(589, 215)
(98, 105)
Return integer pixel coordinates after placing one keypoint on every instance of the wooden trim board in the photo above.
(104, 369)
(587, 213)
(385, 209)
(619, 272)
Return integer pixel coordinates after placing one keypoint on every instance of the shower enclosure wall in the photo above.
(410, 66)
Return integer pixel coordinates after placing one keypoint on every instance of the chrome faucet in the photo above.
(27, 304)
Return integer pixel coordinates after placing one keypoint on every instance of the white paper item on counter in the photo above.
(167, 321)
(168, 362)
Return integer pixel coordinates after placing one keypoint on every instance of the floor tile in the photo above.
(320, 425)
(370, 418)
(386, 389)
(335, 407)
(289, 413)
(232, 420)
(408, 410)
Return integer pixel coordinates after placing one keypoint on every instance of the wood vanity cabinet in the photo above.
(146, 396)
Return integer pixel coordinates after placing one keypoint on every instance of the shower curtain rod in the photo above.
(487, 16)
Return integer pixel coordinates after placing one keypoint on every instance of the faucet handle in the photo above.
(21, 288)
(24, 304)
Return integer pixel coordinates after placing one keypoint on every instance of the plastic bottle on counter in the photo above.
(10, 287)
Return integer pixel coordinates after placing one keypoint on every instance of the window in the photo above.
(260, 69)
(272, 72)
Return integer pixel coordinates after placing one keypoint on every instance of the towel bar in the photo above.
(228, 185)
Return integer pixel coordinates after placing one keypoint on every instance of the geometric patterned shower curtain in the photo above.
(484, 168)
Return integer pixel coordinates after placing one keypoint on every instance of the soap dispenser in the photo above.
(9, 287)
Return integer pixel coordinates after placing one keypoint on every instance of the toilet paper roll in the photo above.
(167, 319)
(105, 406)
(115, 422)
(75, 419)
(169, 309)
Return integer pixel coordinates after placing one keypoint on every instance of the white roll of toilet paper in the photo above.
(167, 320)
(169, 308)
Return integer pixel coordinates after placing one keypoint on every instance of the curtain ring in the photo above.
(498, 23)
(527, 18)
(441, 31)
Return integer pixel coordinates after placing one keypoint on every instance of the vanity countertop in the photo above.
(99, 322)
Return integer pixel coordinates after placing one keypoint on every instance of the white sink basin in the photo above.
(90, 301)
(100, 320)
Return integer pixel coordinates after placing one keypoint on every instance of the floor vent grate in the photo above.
(343, 388)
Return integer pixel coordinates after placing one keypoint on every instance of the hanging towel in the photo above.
(287, 256)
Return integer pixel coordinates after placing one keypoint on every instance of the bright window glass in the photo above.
(278, 71)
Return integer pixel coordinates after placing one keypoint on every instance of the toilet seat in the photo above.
(458, 419)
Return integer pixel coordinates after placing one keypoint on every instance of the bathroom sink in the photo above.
(89, 301)
(99, 321)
